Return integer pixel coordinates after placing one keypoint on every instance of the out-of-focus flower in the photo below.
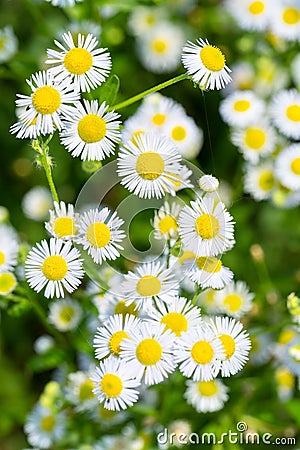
(36, 203)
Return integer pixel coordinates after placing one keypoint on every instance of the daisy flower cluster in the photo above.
(262, 105)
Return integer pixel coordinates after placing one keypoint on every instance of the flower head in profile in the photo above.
(50, 98)
(65, 314)
(90, 131)
(55, 266)
(206, 64)
(85, 65)
(9, 44)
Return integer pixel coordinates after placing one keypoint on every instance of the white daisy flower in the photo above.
(208, 272)
(255, 141)
(241, 108)
(36, 203)
(185, 134)
(206, 396)
(149, 282)
(133, 127)
(236, 344)
(63, 221)
(99, 234)
(198, 353)
(235, 299)
(44, 427)
(64, 3)
(142, 19)
(253, 15)
(114, 386)
(285, 112)
(160, 49)
(206, 64)
(84, 65)
(8, 282)
(285, 383)
(165, 221)
(285, 20)
(65, 314)
(43, 344)
(148, 353)
(49, 99)
(147, 167)
(55, 266)
(178, 316)
(157, 110)
(109, 337)
(206, 227)
(9, 44)
(89, 131)
(208, 183)
(287, 167)
(259, 180)
(9, 248)
(243, 77)
(79, 391)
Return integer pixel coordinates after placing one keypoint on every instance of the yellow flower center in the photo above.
(111, 385)
(291, 16)
(148, 352)
(64, 226)
(212, 58)
(210, 296)
(159, 46)
(176, 322)
(256, 8)
(135, 135)
(86, 390)
(233, 302)
(115, 341)
(295, 166)
(207, 388)
(148, 286)
(255, 138)
(228, 345)
(7, 283)
(202, 352)
(241, 105)
(98, 234)
(266, 181)
(55, 268)
(66, 314)
(46, 100)
(91, 128)
(207, 226)
(78, 61)
(122, 308)
(209, 264)
(167, 224)
(150, 165)
(293, 113)
(159, 119)
(2, 258)
(286, 336)
(285, 378)
(48, 423)
(178, 133)
(187, 255)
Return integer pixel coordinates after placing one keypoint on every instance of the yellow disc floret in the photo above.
(178, 133)
(148, 286)
(207, 388)
(55, 268)
(176, 322)
(64, 226)
(2, 258)
(78, 61)
(115, 341)
(7, 283)
(150, 165)
(228, 345)
(291, 16)
(202, 352)
(48, 423)
(207, 226)
(295, 166)
(256, 8)
(91, 128)
(209, 264)
(46, 100)
(233, 302)
(98, 234)
(241, 105)
(167, 224)
(148, 352)
(255, 138)
(111, 385)
(212, 58)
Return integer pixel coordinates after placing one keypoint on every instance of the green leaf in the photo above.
(108, 91)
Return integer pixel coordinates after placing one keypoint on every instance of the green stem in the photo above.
(43, 149)
(143, 94)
